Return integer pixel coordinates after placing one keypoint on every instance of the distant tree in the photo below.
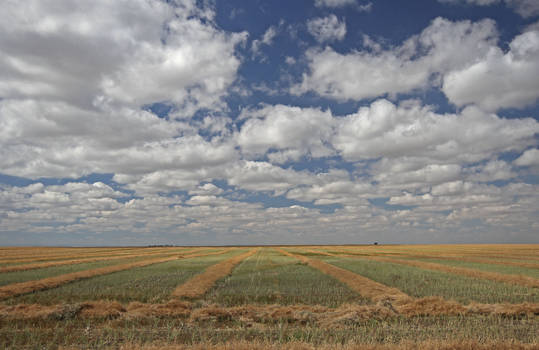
(375, 243)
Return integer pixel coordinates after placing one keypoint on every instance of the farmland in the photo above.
(292, 297)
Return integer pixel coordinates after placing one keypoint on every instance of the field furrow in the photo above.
(498, 277)
(200, 284)
(269, 277)
(32, 286)
(148, 284)
(76, 261)
(364, 286)
(421, 283)
(75, 255)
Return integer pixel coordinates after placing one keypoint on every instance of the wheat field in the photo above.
(289, 297)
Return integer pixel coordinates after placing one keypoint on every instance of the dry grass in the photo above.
(429, 345)
(51, 282)
(498, 277)
(200, 284)
(75, 261)
(504, 251)
(60, 258)
(195, 255)
(81, 253)
(404, 304)
(364, 286)
(301, 314)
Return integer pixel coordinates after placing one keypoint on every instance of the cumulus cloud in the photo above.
(107, 51)
(528, 158)
(264, 176)
(499, 80)
(327, 28)
(334, 3)
(410, 130)
(76, 79)
(291, 132)
(441, 47)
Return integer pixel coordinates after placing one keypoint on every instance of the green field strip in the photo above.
(505, 269)
(37, 274)
(419, 282)
(268, 277)
(148, 284)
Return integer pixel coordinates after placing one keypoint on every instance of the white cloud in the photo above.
(263, 176)
(529, 157)
(440, 48)
(411, 130)
(266, 39)
(499, 79)
(74, 79)
(291, 131)
(334, 3)
(492, 171)
(327, 28)
(107, 51)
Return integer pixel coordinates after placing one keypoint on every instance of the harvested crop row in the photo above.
(408, 305)
(476, 260)
(301, 314)
(76, 261)
(428, 345)
(50, 252)
(431, 345)
(364, 286)
(51, 282)
(195, 255)
(73, 256)
(200, 284)
(498, 277)
(457, 252)
(441, 256)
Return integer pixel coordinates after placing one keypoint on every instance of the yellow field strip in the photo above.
(404, 304)
(493, 276)
(201, 283)
(509, 251)
(430, 256)
(364, 286)
(51, 282)
(48, 252)
(81, 255)
(476, 260)
(79, 261)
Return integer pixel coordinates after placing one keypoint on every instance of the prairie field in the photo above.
(289, 297)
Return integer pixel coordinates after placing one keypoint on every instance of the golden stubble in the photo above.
(201, 283)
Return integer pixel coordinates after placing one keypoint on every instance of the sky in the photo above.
(138, 122)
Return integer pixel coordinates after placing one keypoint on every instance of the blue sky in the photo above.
(268, 122)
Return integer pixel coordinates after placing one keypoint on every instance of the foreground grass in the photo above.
(417, 282)
(101, 333)
(149, 284)
(269, 277)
